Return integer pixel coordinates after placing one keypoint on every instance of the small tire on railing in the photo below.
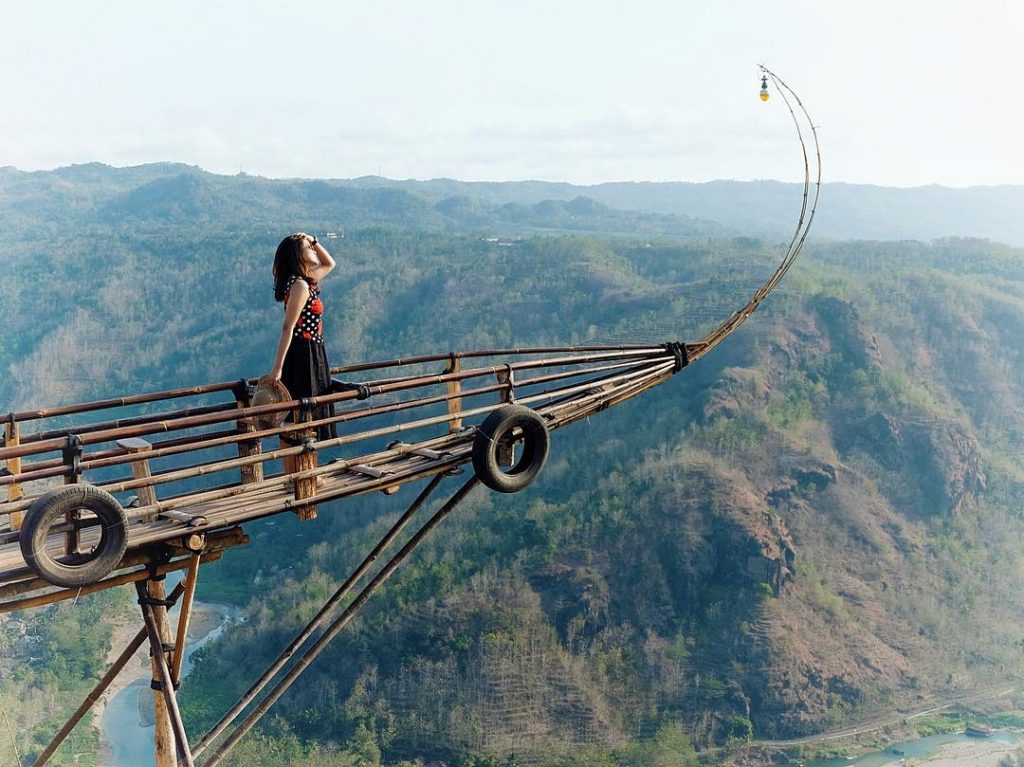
(80, 568)
(507, 426)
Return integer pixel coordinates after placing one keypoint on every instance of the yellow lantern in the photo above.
(764, 88)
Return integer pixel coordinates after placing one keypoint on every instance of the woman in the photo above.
(300, 264)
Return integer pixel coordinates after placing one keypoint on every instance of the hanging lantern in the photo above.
(764, 88)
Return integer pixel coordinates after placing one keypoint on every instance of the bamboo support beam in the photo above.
(184, 617)
(97, 692)
(170, 733)
(319, 619)
(140, 467)
(126, 655)
(339, 623)
(303, 463)
(216, 544)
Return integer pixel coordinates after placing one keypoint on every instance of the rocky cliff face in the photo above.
(832, 503)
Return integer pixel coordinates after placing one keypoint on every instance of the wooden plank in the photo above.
(454, 389)
(140, 468)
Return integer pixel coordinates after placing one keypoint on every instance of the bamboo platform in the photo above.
(562, 385)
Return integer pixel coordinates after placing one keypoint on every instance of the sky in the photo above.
(904, 92)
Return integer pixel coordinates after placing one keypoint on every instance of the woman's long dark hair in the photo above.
(287, 263)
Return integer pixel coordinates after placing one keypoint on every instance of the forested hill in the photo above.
(81, 197)
(817, 524)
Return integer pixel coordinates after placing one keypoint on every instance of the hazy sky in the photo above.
(905, 92)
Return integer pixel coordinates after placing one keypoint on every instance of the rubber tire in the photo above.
(536, 444)
(81, 569)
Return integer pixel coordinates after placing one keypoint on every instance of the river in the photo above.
(969, 751)
(130, 738)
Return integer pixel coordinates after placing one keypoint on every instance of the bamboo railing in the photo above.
(406, 426)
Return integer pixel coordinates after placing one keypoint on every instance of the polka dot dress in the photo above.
(310, 324)
(306, 371)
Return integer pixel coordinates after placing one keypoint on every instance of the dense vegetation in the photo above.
(787, 537)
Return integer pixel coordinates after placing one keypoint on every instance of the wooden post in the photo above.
(248, 447)
(454, 388)
(506, 378)
(15, 491)
(506, 453)
(304, 461)
(73, 537)
(166, 753)
(140, 468)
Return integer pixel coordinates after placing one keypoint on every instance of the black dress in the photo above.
(305, 371)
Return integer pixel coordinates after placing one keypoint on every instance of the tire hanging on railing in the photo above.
(506, 428)
(97, 513)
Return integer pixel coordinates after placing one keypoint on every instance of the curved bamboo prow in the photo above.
(696, 350)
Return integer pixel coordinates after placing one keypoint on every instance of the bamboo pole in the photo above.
(248, 447)
(136, 399)
(95, 455)
(140, 467)
(454, 394)
(121, 423)
(404, 361)
(170, 737)
(302, 463)
(319, 619)
(184, 617)
(91, 698)
(30, 415)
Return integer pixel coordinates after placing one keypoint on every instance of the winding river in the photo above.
(129, 737)
(919, 749)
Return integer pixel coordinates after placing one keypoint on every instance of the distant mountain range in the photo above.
(847, 211)
(163, 192)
